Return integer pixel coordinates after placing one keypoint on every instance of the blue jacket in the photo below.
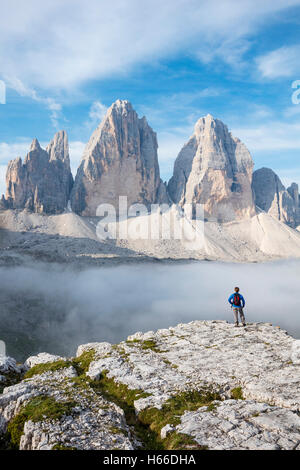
(230, 300)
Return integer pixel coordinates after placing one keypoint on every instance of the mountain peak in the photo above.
(121, 105)
(272, 197)
(120, 159)
(43, 183)
(35, 145)
(214, 169)
(58, 148)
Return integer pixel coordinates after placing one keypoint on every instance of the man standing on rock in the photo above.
(237, 302)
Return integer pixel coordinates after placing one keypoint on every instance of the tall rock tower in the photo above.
(43, 182)
(214, 169)
(272, 197)
(120, 159)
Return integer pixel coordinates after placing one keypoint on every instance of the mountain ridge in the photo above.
(213, 169)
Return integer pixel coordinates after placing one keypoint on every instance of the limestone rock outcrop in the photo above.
(214, 169)
(185, 385)
(272, 197)
(120, 159)
(43, 182)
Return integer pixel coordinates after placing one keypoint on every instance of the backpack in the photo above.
(237, 300)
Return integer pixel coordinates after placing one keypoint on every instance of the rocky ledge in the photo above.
(201, 385)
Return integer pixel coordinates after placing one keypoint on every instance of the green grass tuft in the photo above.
(180, 441)
(237, 393)
(38, 409)
(146, 344)
(62, 447)
(149, 422)
(82, 363)
(124, 397)
(212, 407)
(174, 408)
(47, 367)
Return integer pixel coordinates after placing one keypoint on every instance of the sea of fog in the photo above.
(54, 309)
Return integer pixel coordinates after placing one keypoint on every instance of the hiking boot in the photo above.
(236, 324)
(244, 324)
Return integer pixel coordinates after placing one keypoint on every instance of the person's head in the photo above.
(236, 289)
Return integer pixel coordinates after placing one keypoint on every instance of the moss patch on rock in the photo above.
(38, 409)
(148, 423)
(125, 397)
(63, 447)
(237, 393)
(118, 392)
(47, 367)
(171, 413)
(11, 378)
(146, 344)
(180, 441)
(82, 363)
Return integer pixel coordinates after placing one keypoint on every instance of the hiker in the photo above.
(237, 302)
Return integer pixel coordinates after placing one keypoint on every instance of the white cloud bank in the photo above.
(55, 44)
(107, 304)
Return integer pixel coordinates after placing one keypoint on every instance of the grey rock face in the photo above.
(119, 160)
(3, 203)
(236, 425)
(8, 365)
(214, 169)
(92, 423)
(272, 197)
(43, 182)
(10, 372)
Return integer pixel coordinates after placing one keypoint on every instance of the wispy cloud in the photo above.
(96, 114)
(271, 136)
(11, 151)
(54, 44)
(97, 111)
(51, 104)
(280, 63)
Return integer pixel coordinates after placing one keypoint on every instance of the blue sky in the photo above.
(64, 63)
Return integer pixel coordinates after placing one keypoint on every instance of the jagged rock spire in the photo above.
(58, 148)
(35, 145)
(44, 181)
(214, 169)
(272, 197)
(120, 159)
